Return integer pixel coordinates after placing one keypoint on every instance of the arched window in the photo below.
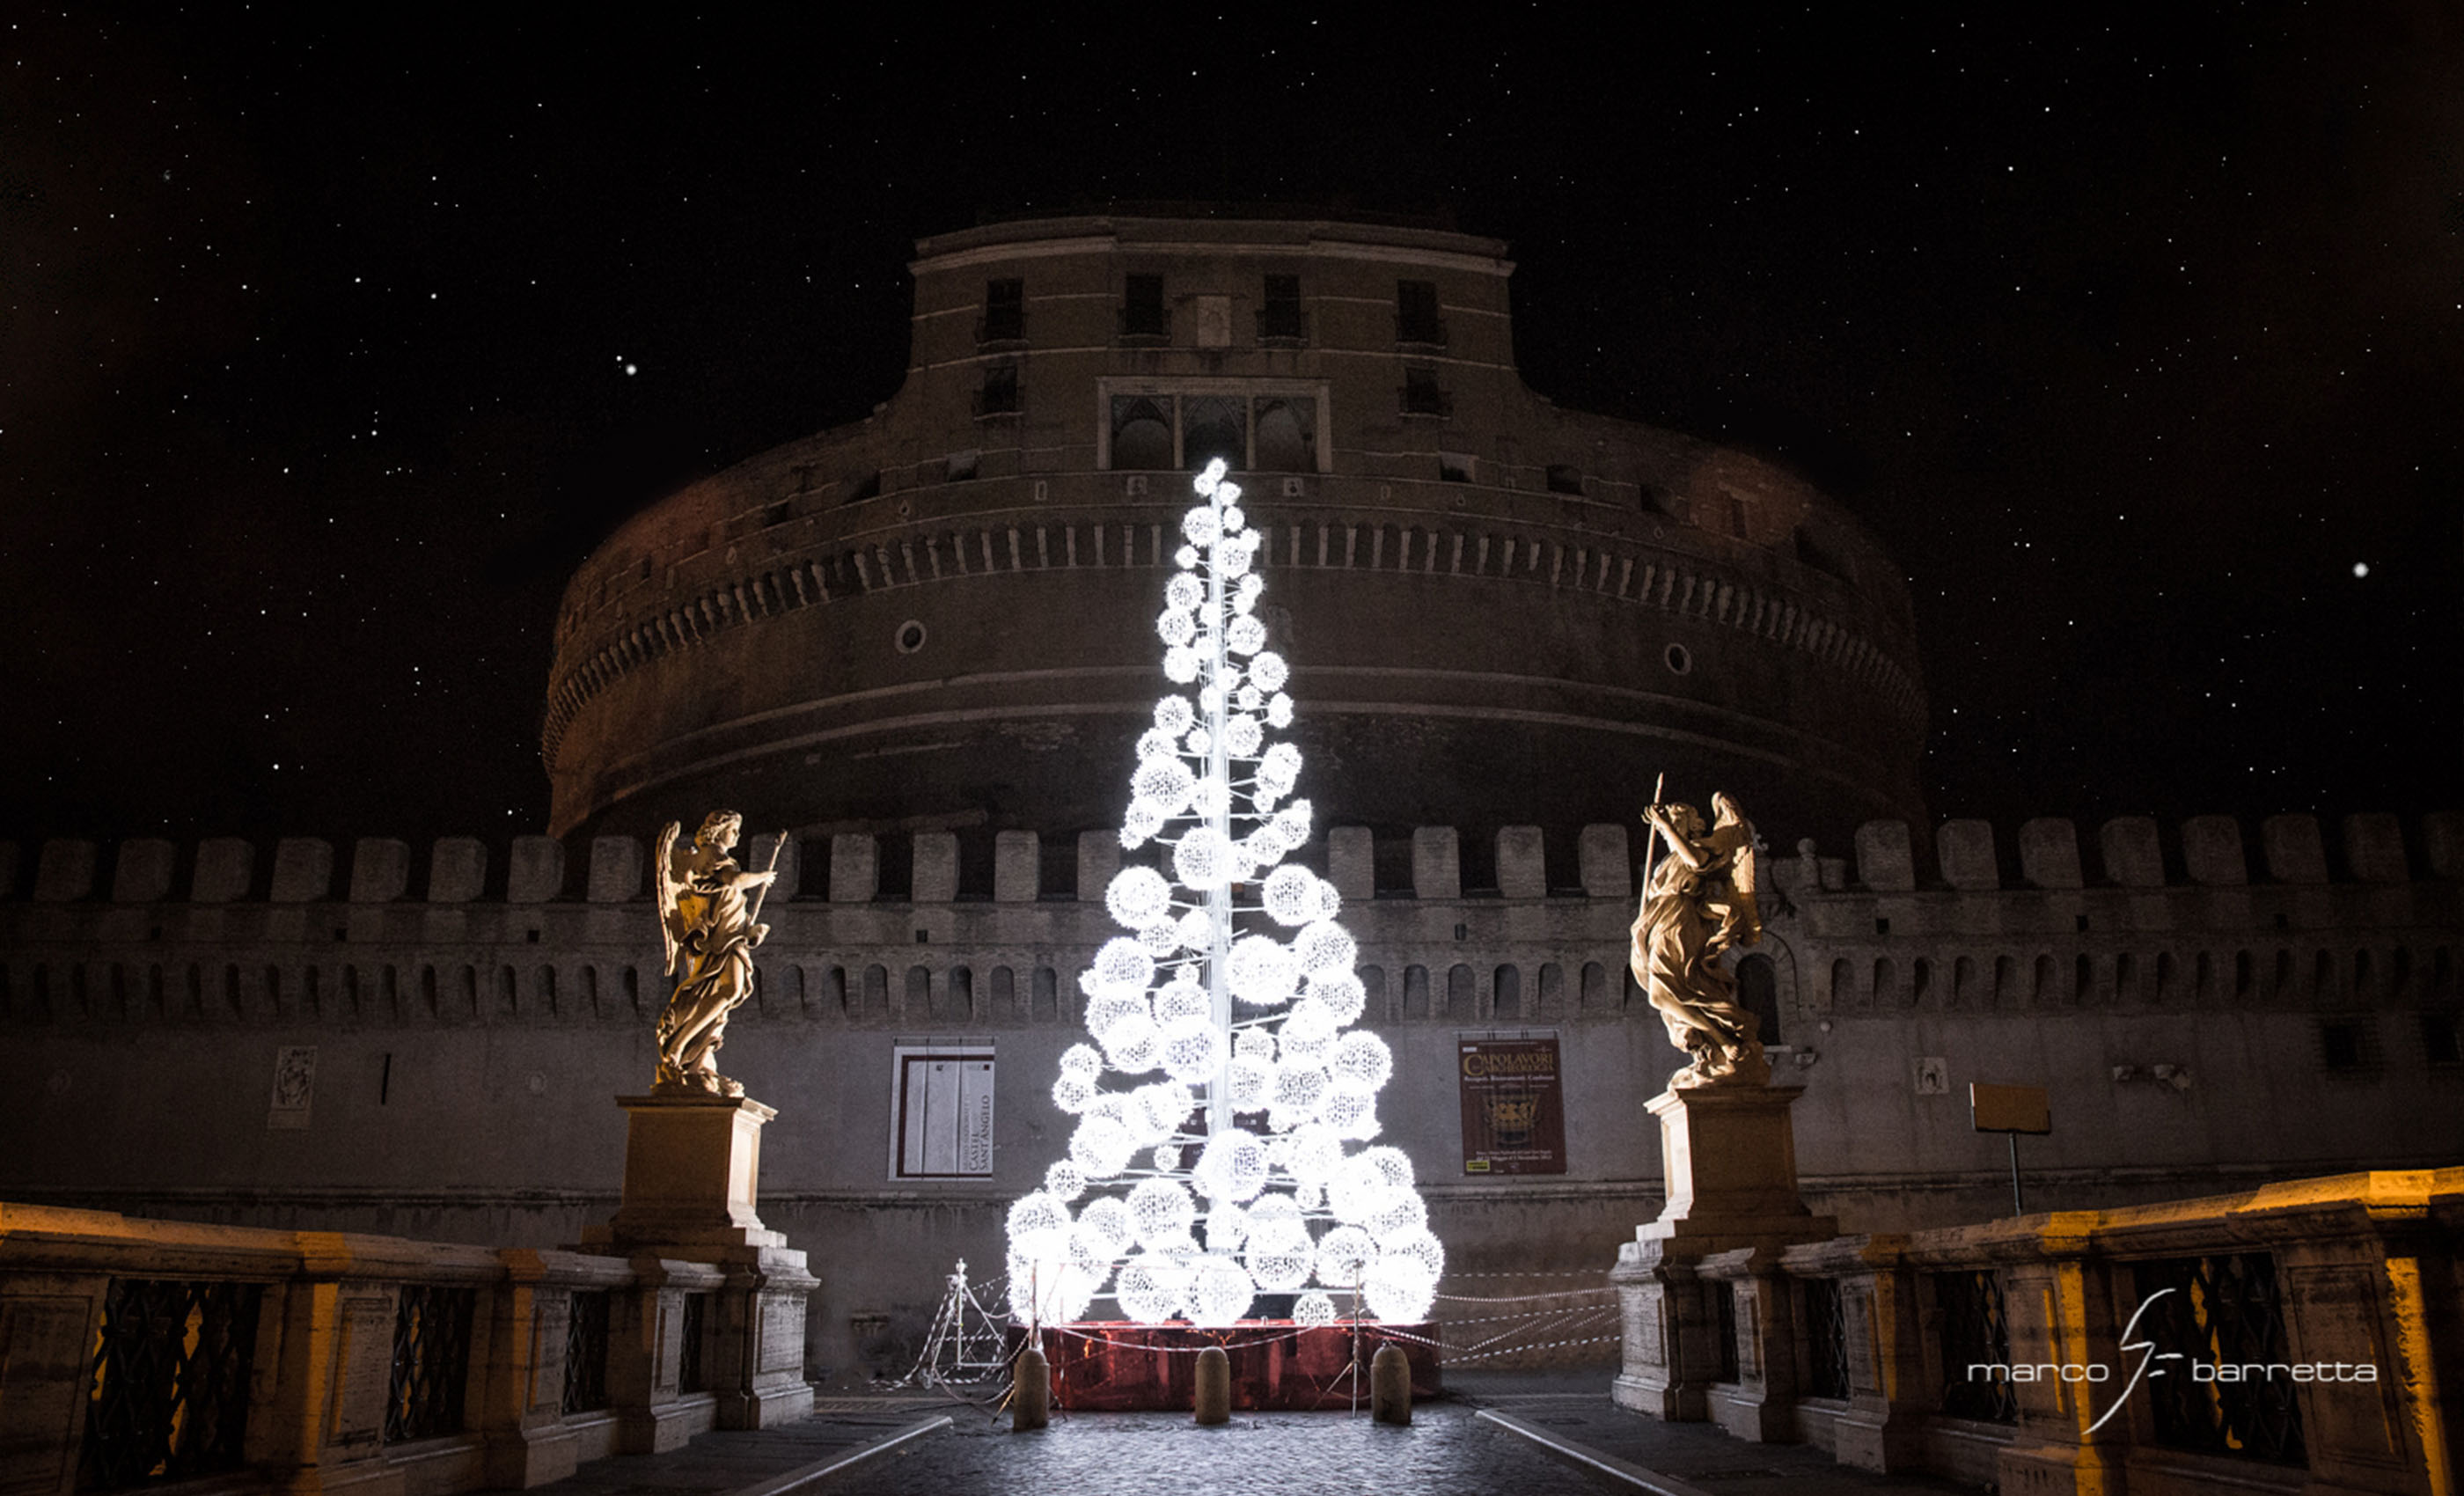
(1758, 993)
(1460, 991)
(1285, 441)
(1141, 433)
(1506, 1000)
(1212, 426)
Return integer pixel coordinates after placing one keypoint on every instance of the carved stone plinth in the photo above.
(693, 1170)
(1709, 1322)
(692, 1167)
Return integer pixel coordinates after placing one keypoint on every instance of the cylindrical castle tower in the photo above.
(1497, 611)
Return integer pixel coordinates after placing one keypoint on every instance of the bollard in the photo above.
(1390, 1386)
(1030, 1392)
(1214, 1387)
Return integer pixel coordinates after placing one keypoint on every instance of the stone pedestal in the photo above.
(693, 1170)
(1709, 1322)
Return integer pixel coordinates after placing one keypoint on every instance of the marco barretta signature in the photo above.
(2147, 1367)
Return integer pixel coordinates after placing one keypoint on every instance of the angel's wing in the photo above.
(664, 888)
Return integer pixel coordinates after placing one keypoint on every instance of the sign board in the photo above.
(941, 1111)
(2009, 1108)
(1513, 1109)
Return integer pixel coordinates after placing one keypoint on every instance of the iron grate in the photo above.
(168, 1399)
(1724, 1309)
(690, 1375)
(2222, 1311)
(1826, 1339)
(1974, 1334)
(585, 1353)
(431, 1361)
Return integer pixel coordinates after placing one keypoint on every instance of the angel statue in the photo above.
(710, 932)
(1698, 902)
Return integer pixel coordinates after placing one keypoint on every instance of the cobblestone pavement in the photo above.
(1446, 1452)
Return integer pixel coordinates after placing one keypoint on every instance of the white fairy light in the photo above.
(1233, 991)
(1064, 1181)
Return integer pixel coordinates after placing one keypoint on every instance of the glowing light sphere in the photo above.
(1323, 947)
(1292, 823)
(1202, 859)
(1312, 1310)
(1250, 589)
(1183, 591)
(1179, 999)
(1168, 1159)
(1198, 743)
(1242, 736)
(1279, 710)
(1193, 1050)
(1261, 972)
(1343, 1255)
(1233, 519)
(1275, 1221)
(1352, 1113)
(1361, 1062)
(1161, 937)
(1234, 554)
(1297, 1090)
(1157, 1110)
(1072, 1092)
(1220, 1293)
(1233, 1167)
(1307, 1037)
(1107, 1007)
(1392, 1165)
(1051, 1292)
(1196, 929)
(1342, 993)
(1203, 526)
(1185, 558)
(1421, 1245)
(1281, 765)
(1134, 1045)
(1081, 1060)
(1226, 1226)
(1160, 1210)
(1316, 1154)
(1283, 1269)
(1270, 670)
(1175, 626)
(1123, 965)
(1168, 785)
(1144, 819)
(1064, 1181)
(1250, 1078)
(1181, 665)
(1292, 895)
(1254, 1041)
(1405, 1213)
(1396, 1291)
(1152, 1288)
(1109, 1219)
(1101, 1148)
(1247, 635)
(1210, 477)
(1248, 698)
(1357, 1192)
(1156, 743)
(1210, 700)
(1038, 1226)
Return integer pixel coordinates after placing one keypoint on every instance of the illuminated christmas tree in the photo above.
(1225, 1102)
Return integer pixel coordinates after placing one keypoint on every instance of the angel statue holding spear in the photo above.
(1699, 902)
(710, 932)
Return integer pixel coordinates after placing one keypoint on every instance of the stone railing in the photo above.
(138, 1352)
(2303, 1337)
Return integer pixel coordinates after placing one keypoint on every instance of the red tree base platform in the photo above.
(1114, 1366)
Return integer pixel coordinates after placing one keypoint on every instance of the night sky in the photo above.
(326, 352)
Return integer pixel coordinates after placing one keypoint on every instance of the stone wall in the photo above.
(2203, 1005)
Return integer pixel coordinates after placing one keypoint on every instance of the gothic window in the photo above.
(1141, 432)
(1214, 426)
(999, 395)
(1286, 437)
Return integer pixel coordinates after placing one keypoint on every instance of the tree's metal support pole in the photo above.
(1218, 902)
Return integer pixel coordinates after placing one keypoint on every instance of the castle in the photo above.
(921, 647)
